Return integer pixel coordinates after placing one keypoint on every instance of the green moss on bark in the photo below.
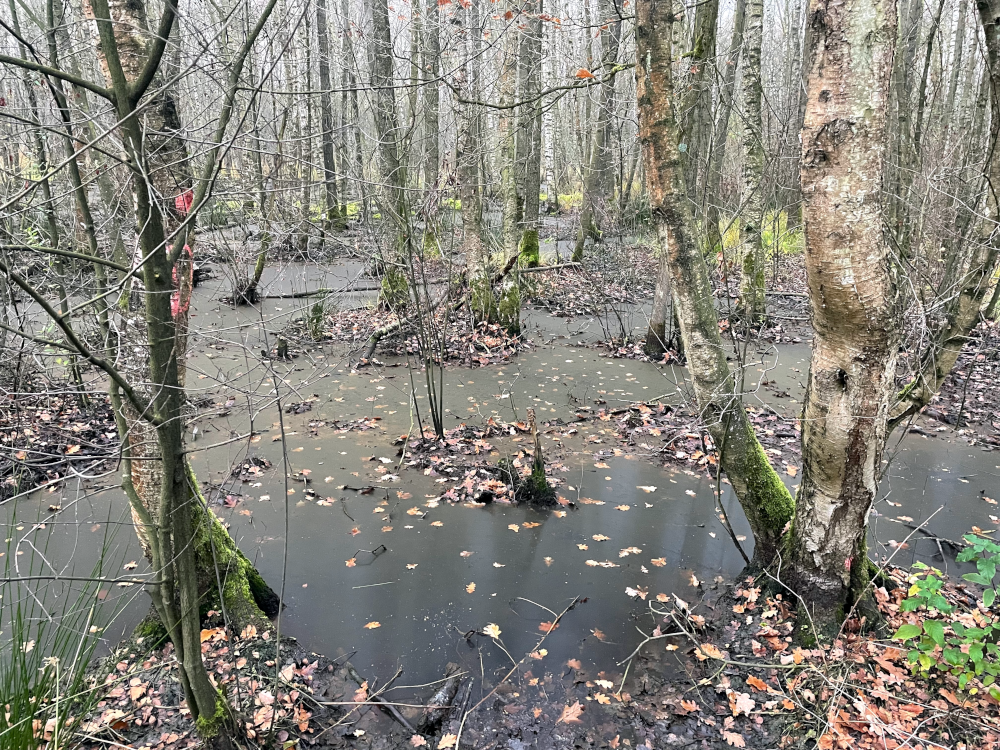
(529, 250)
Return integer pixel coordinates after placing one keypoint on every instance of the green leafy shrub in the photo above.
(960, 642)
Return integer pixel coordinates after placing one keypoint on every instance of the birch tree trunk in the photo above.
(764, 498)
(751, 303)
(696, 122)
(432, 103)
(855, 298)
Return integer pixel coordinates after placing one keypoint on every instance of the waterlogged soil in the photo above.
(331, 501)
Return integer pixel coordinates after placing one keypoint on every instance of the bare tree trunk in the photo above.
(532, 129)
(393, 203)
(727, 93)
(765, 500)
(432, 102)
(332, 219)
(855, 299)
(507, 132)
(751, 303)
(696, 122)
(596, 190)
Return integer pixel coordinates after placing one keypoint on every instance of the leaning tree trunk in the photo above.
(751, 302)
(855, 297)
(765, 500)
(598, 171)
(159, 164)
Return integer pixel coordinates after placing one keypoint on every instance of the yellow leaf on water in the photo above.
(791, 471)
(513, 527)
(447, 741)
(492, 630)
(373, 624)
(470, 588)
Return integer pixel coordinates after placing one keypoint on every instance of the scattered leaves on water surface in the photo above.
(571, 714)
(373, 624)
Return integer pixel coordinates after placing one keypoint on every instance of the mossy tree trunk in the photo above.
(764, 498)
(531, 55)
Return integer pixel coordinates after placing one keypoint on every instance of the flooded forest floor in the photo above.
(423, 607)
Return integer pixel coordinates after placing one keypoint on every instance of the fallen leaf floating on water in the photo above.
(791, 470)
(548, 561)
(634, 592)
(571, 714)
(530, 524)
(418, 741)
(499, 565)
(492, 630)
(606, 684)
(470, 588)
(447, 741)
(539, 654)
(630, 551)
(355, 531)
(547, 627)
(414, 511)
(350, 563)
(466, 553)
(659, 562)
(437, 523)
(734, 739)
(646, 487)
(600, 538)
(513, 527)
(707, 650)
(623, 508)
(583, 546)
(693, 580)
(599, 634)
(373, 624)
(604, 564)
(692, 493)
(411, 566)
(602, 699)
(574, 664)
(386, 528)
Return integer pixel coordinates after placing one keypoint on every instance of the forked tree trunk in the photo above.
(855, 298)
(765, 500)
